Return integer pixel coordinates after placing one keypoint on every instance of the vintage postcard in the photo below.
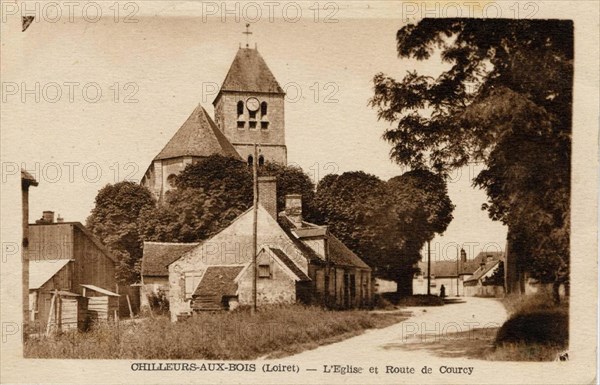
(299, 192)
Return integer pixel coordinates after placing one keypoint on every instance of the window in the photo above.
(252, 114)
(264, 271)
(253, 124)
(263, 109)
(240, 108)
(264, 125)
(241, 124)
(261, 160)
(171, 179)
(192, 279)
(250, 160)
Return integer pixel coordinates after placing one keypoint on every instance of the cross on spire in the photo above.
(247, 33)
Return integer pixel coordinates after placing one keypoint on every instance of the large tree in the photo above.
(114, 220)
(385, 223)
(211, 193)
(504, 101)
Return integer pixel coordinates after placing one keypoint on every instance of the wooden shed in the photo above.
(103, 305)
(67, 311)
(54, 307)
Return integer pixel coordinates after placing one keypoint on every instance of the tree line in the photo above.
(386, 223)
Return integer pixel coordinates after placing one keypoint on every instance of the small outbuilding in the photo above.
(103, 304)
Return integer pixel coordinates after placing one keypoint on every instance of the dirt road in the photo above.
(428, 333)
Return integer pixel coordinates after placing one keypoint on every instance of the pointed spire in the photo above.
(249, 73)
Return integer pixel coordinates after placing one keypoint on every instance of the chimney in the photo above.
(293, 208)
(267, 194)
(48, 216)
(60, 219)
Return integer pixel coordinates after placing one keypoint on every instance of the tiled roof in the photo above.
(482, 270)
(339, 254)
(250, 73)
(157, 255)
(290, 264)
(218, 281)
(449, 268)
(287, 226)
(198, 136)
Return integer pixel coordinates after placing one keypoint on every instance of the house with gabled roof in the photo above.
(452, 274)
(154, 273)
(297, 262)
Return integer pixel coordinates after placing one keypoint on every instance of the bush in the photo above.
(381, 303)
(546, 326)
(159, 302)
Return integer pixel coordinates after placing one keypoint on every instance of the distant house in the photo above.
(65, 258)
(476, 285)
(452, 274)
(297, 262)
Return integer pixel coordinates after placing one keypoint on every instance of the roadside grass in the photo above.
(414, 300)
(536, 330)
(273, 332)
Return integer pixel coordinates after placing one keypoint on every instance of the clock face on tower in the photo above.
(252, 104)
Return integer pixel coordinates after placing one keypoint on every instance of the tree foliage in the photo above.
(385, 223)
(114, 221)
(211, 193)
(505, 101)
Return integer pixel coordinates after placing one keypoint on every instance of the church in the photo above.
(249, 108)
(297, 261)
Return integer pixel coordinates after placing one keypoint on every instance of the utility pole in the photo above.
(457, 269)
(254, 227)
(428, 267)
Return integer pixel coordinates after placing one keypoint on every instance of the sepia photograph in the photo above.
(299, 192)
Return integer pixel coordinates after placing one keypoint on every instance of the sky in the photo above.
(153, 73)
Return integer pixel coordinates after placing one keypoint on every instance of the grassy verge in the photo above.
(273, 331)
(414, 300)
(537, 329)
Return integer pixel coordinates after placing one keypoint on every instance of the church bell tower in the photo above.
(250, 109)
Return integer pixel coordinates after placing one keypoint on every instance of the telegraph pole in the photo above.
(428, 267)
(254, 227)
(457, 269)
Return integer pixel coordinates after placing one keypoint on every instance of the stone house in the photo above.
(154, 273)
(296, 262)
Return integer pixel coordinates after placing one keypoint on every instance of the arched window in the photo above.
(171, 179)
(250, 160)
(261, 160)
(240, 108)
(263, 109)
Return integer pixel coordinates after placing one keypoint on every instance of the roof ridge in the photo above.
(171, 243)
(197, 136)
